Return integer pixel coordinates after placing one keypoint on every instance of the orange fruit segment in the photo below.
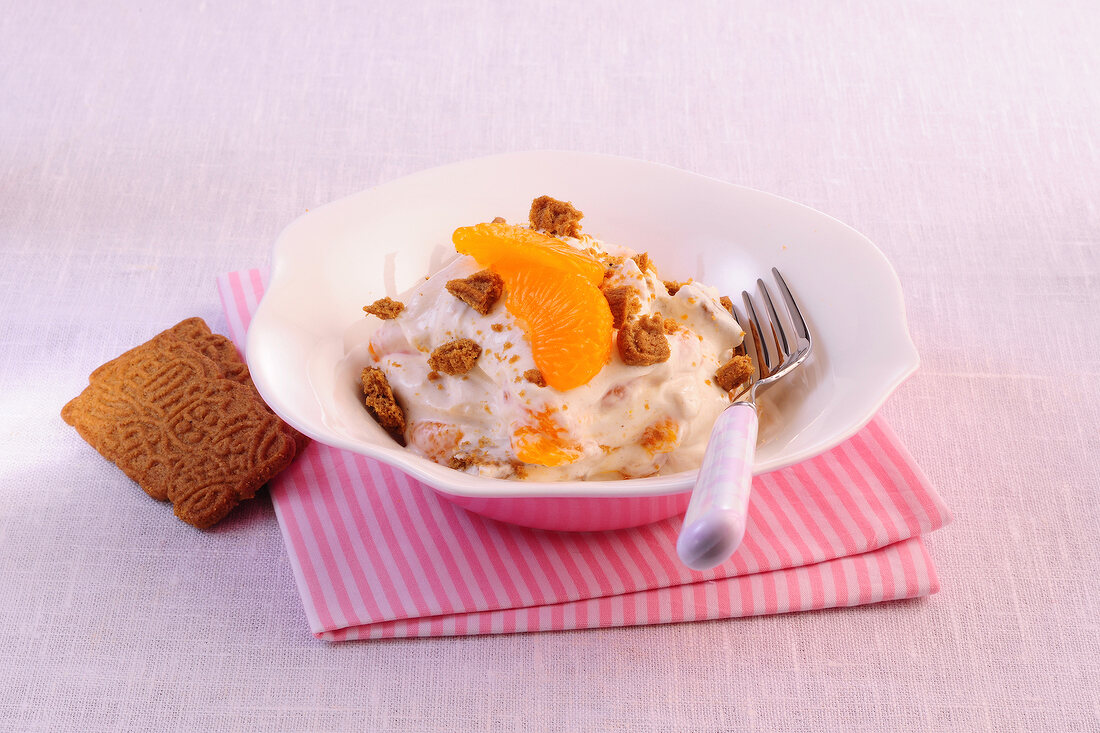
(552, 290)
(491, 243)
(438, 440)
(568, 322)
(544, 443)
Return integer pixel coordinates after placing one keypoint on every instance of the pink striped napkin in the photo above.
(376, 554)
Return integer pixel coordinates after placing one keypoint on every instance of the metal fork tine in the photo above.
(764, 358)
(778, 331)
(739, 350)
(792, 307)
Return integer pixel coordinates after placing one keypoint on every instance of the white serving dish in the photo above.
(334, 259)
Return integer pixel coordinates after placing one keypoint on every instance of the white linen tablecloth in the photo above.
(147, 148)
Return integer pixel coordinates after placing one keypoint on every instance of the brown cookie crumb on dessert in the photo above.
(499, 220)
(642, 341)
(557, 218)
(534, 376)
(385, 308)
(498, 327)
(480, 291)
(624, 303)
(613, 262)
(381, 403)
(673, 286)
(734, 373)
(727, 303)
(643, 262)
(465, 459)
(660, 437)
(455, 357)
(670, 325)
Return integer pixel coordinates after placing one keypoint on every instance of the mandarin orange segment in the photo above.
(552, 290)
(568, 322)
(439, 441)
(544, 443)
(491, 243)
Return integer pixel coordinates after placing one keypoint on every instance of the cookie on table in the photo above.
(221, 350)
(175, 423)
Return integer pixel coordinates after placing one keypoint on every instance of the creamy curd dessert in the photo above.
(542, 353)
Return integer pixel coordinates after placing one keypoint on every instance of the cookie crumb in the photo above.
(433, 375)
(642, 341)
(385, 308)
(726, 303)
(644, 262)
(455, 357)
(498, 327)
(673, 286)
(499, 220)
(734, 373)
(534, 376)
(612, 262)
(480, 291)
(660, 437)
(624, 303)
(670, 325)
(381, 403)
(557, 218)
(463, 460)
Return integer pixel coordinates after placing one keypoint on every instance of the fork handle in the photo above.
(715, 521)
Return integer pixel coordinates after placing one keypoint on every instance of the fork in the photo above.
(714, 524)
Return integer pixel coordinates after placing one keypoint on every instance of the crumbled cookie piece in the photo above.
(499, 220)
(381, 403)
(433, 376)
(480, 291)
(166, 415)
(661, 437)
(726, 303)
(534, 376)
(643, 262)
(642, 341)
(612, 262)
(673, 286)
(557, 218)
(464, 459)
(624, 303)
(455, 357)
(734, 373)
(498, 327)
(670, 325)
(477, 458)
(385, 308)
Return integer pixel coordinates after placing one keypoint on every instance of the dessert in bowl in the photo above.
(309, 340)
(540, 353)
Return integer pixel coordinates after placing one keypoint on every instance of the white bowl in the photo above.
(333, 260)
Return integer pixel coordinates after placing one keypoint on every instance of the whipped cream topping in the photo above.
(627, 422)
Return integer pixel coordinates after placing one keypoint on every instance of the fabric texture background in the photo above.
(147, 148)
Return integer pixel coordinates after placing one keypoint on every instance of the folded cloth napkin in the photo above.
(376, 554)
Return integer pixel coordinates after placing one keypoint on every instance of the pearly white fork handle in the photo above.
(715, 519)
